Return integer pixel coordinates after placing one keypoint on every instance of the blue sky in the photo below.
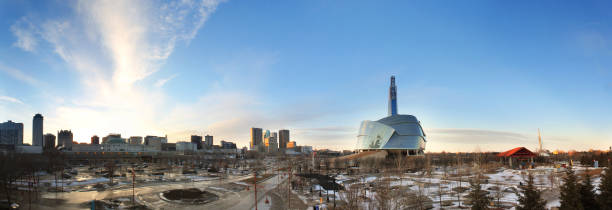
(479, 75)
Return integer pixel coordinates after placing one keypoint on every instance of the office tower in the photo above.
(392, 97)
(283, 138)
(64, 139)
(197, 140)
(256, 137)
(266, 134)
(95, 140)
(135, 140)
(37, 130)
(271, 144)
(208, 141)
(49, 141)
(11, 133)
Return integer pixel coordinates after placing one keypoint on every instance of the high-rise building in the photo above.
(37, 130)
(283, 138)
(95, 140)
(392, 97)
(208, 141)
(135, 140)
(256, 137)
(11, 133)
(64, 138)
(197, 140)
(271, 144)
(49, 141)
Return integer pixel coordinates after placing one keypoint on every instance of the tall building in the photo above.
(95, 140)
(271, 144)
(256, 137)
(396, 133)
(283, 138)
(49, 141)
(37, 130)
(392, 97)
(11, 133)
(65, 138)
(208, 141)
(197, 140)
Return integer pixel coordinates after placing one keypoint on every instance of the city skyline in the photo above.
(479, 77)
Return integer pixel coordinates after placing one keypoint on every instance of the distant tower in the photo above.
(392, 97)
(37, 130)
(539, 141)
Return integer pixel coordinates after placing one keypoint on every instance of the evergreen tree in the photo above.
(570, 192)
(587, 193)
(480, 199)
(529, 197)
(605, 189)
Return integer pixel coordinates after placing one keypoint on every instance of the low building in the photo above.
(520, 155)
(291, 144)
(168, 147)
(135, 140)
(87, 148)
(228, 145)
(186, 146)
(28, 149)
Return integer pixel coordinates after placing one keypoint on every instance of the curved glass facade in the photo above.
(402, 132)
(374, 135)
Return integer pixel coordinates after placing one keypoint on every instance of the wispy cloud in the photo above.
(18, 74)
(10, 99)
(162, 82)
(112, 45)
(25, 32)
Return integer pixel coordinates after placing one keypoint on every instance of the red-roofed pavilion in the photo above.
(519, 154)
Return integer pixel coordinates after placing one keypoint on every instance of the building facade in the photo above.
(11, 133)
(197, 140)
(395, 133)
(48, 141)
(135, 140)
(208, 141)
(37, 130)
(64, 139)
(283, 138)
(256, 138)
(95, 140)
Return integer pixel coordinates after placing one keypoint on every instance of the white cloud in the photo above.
(26, 35)
(162, 82)
(112, 45)
(18, 74)
(10, 99)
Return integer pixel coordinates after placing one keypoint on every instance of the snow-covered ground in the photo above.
(501, 185)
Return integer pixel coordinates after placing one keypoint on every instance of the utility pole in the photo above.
(255, 183)
(133, 185)
(289, 187)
